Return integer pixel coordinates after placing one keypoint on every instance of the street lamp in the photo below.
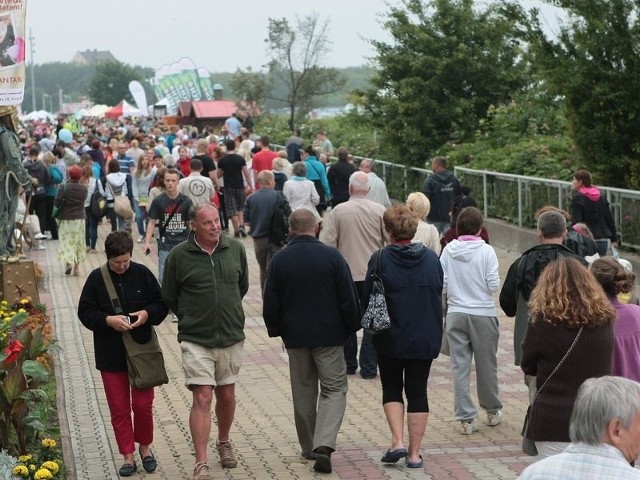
(44, 104)
(33, 77)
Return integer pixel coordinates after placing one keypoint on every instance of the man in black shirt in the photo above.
(232, 168)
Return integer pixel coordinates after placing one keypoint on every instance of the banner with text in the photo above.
(12, 51)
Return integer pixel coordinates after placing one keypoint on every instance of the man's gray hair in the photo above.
(552, 224)
(370, 163)
(359, 182)
(599, 401)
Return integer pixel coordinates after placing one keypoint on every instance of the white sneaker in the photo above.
(40, 247)
(494, 419)
(468, 427)
(140, 239)
(40, 236)
(174, 318)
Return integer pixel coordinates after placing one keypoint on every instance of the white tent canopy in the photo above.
(39, 115)
(97, 110)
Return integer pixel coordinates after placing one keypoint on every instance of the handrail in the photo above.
(514, 198)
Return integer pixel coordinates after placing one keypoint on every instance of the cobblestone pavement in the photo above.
(263, 433)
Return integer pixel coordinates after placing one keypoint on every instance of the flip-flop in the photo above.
(392, 456)
(415, 464)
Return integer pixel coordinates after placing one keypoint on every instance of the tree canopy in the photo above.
(447, 63)
(110, 83)
(296, 57)
(594, 66)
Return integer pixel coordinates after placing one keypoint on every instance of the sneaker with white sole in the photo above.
(40, 236)
(140, 239)
(467, 427)
(494, 419)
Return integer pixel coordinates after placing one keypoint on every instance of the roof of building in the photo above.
(92, 57)
(213, 108)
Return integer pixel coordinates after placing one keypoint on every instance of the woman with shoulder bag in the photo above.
(412, 279)
(138, 291)
(116, 186)
(569, 339)
(92, 220)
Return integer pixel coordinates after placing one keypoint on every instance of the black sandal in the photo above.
(128, 469)
(149, 462)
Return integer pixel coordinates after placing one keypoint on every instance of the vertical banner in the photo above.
(12, 51)
(139, 95)
(189, 77)
(205, 83)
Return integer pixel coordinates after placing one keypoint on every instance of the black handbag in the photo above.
(145, 362)
(376, 317)
(528, 445)
(98, 204)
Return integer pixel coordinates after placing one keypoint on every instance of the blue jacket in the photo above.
(309, 296)
(412, 278)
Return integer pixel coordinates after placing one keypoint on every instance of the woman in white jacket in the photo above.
(116, 185)
(471, 278)
(300, 192)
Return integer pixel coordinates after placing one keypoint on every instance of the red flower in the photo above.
(12, 351)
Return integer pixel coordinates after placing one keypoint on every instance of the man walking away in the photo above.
(440, 188)
(259, 209)
(314, 337)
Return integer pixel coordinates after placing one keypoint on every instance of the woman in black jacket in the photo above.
(412, 276)
(139, 295)
(589, 206)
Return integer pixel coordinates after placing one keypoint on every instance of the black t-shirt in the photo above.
(177, 229)
(232, 164)
(208, 165)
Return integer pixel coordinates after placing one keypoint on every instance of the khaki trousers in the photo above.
(309, 368)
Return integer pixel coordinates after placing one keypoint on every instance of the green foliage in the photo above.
(350, 130)
(25, 340)
(250, 89)
(110, 83)
(593, 65)
(524, 137)
(447, 64)
(296, 61)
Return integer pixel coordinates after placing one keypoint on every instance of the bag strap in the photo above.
(111, 290)
(316, 170)
(376, 273)
(163, 227)
(559, 363)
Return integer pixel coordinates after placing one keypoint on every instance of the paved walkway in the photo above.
(263, 433)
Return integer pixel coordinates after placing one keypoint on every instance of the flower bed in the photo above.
(26, 344)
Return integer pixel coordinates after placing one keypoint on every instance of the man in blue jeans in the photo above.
(356, 229)
(170, 211)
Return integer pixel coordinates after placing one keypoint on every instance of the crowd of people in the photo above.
(199, 195)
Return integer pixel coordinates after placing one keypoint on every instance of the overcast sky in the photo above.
(220, 36)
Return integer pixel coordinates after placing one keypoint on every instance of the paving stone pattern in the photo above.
(263, 434)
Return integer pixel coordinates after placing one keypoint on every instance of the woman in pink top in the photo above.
(614, 280)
